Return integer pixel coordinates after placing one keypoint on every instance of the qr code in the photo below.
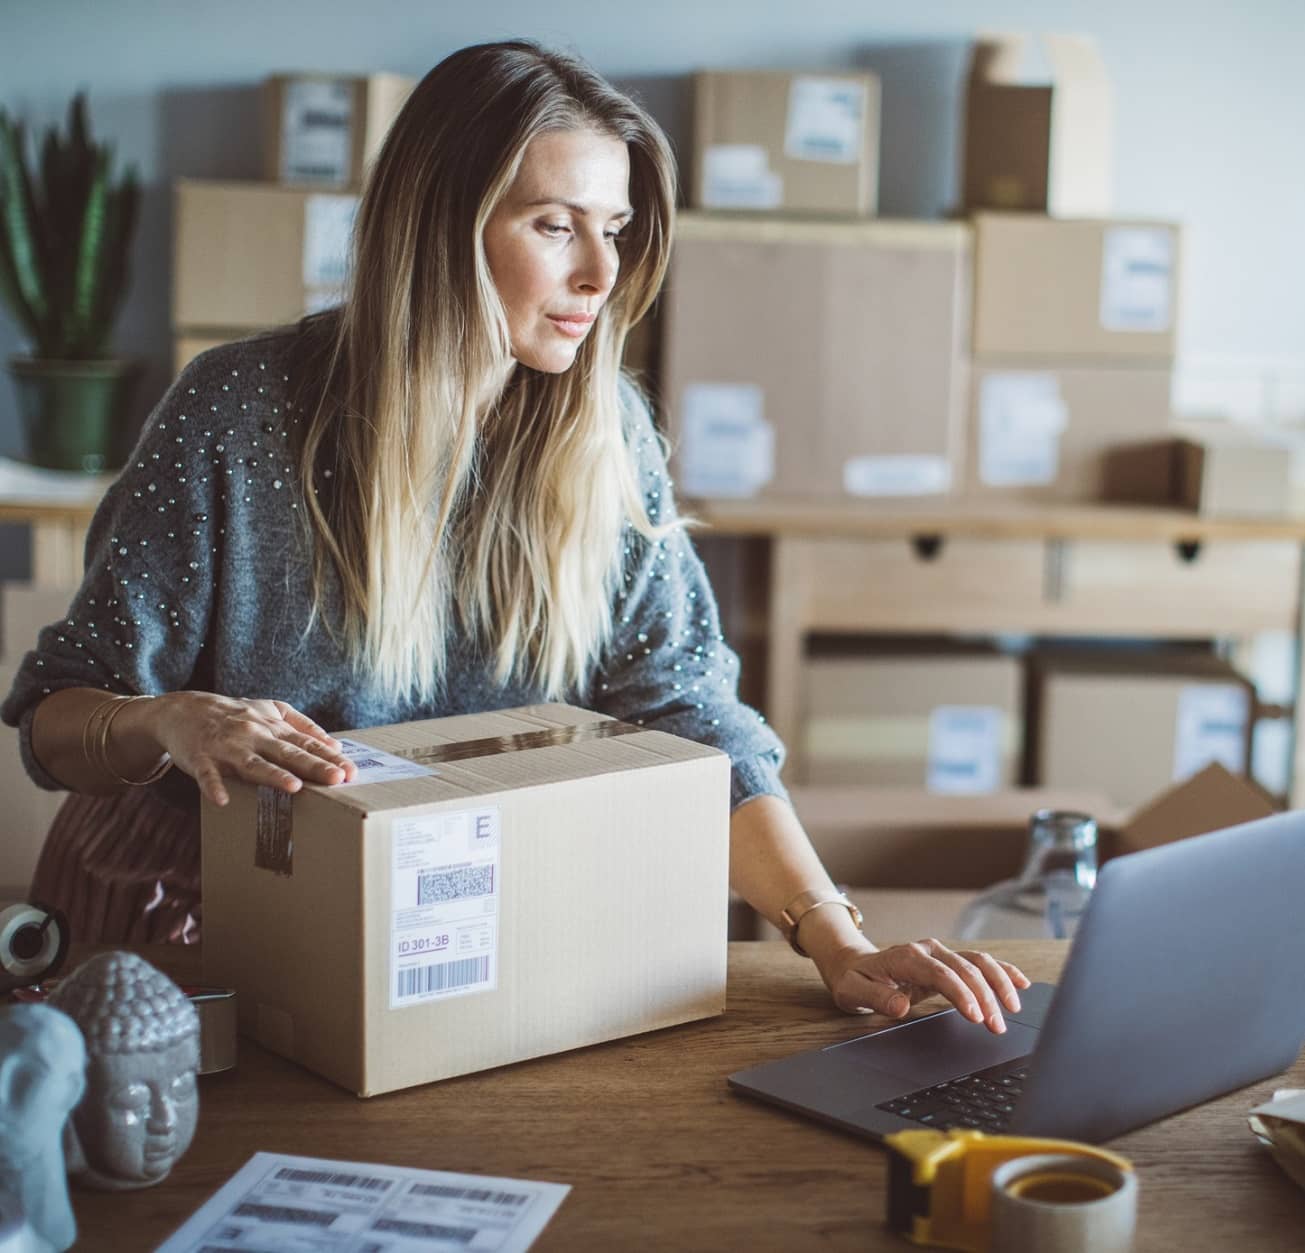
(434, 886)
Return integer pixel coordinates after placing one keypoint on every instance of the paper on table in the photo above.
(281, 1204)
(1280, 1125)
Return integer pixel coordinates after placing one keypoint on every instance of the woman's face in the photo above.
(551, 242)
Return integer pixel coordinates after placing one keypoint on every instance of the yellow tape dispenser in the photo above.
(939, 1183)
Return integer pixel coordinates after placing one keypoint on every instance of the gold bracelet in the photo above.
(88, 746)
(103, 746)
(801, 905)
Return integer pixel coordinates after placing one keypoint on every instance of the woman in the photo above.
(440, 498)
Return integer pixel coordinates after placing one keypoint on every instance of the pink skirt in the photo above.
(124, 868)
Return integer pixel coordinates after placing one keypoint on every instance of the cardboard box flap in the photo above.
(1082, 127)
(499, 751)
(998, 58)
(1210, 800)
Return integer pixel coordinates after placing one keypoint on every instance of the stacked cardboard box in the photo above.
(949, 722)
(247, 256)
(1130, 725)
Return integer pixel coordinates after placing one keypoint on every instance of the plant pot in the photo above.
(74, 413)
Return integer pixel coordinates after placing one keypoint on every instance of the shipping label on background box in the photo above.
(965, 748)
(738, 176)
(905, 474)
(727, 448)
(1021, 418)
(1137, 265)
(328, 224)
(1210, 726)
(316, 131)
(444, 905)
(826, 117)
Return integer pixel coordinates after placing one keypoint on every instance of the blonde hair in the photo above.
(432, 500)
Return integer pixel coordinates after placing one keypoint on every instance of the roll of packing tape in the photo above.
(1053, 1203)
(33, 944)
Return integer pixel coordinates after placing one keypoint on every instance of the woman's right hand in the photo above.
(264, 742)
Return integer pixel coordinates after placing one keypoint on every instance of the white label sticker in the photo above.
(904, 475)
(826, 117)
(375, 766)
(965, 744)
(316, 131)
(444, 905)
(1137, 265)
(1210, 726)
(727, 448)
(1021, 419)
(738, 176)
(328, 224)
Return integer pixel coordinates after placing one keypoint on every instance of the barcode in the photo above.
(366, 763)
(469, 1194)
(443, 976)
(426, 1231)
(286, 1214)
(340, 1181)
(454, 885)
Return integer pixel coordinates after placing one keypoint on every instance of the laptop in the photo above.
(1186, 979)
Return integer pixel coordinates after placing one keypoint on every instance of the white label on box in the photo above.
(1021, 418)
(738, 176)
(965, 744)
(375, 766)
(727, 447)
(903, 475)
(328, 224)
(444, 905)
(1210, 726)
(1137, 264)
(284, 1204)
(826, 117)
(317, 131)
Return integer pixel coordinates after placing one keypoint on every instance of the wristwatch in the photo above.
(802, 904)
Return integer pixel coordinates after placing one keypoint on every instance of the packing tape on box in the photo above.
(274, 816)
(966, 1190)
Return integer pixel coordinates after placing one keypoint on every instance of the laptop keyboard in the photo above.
(982, 1101)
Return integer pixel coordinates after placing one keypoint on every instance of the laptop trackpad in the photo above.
(942, 1046)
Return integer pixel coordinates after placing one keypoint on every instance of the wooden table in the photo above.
(661, 1155)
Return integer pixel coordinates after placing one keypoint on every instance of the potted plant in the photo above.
(65, 233)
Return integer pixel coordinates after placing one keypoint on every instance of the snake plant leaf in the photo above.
(90, 260)
(11, 295)
(20, 222)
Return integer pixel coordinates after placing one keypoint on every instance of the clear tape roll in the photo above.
(15, 920)
(1060, 1203)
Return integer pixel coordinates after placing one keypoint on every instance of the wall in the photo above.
(1209, 99)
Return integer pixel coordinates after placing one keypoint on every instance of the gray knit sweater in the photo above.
(197, 576)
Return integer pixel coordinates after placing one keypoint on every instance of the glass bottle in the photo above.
(1049, 895)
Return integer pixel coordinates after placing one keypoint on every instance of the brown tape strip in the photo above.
(274, 845)
(496, 745)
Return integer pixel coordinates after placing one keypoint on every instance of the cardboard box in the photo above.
(1229, 473)
(185, 348)
(24, 609)
(912, 860)
(1129, 725)
(326, 129)
(1039, 146)
(1043, 430)
(1102, 290)
(552, 878)
(948, 722)
(815, 359)
(249, 256)
(786, 142)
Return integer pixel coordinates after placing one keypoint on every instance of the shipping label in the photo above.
(904, 474)
(317, 131)
(328, 225)
(1137, 264)
(738, 176)
(1022, 416)
(727, 448)
(375, 766)
(444, 905)
(826, 117)
(965, 748)
(1210, 726)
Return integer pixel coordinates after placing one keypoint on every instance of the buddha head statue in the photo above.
(142, 1041)
(42, 1076)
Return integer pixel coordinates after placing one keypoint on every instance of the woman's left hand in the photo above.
(889, 981)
